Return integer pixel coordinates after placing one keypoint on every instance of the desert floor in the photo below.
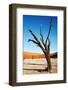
(38, 66)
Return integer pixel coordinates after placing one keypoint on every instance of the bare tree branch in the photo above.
(42, 39)
(32, 41)
(50, 26)
(37, 41)
(49, 30)
(34, 36)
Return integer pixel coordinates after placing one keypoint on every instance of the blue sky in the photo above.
(34, 22)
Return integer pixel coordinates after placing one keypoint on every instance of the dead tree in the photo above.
(44, 45)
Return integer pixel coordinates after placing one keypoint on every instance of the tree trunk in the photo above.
(48, 62)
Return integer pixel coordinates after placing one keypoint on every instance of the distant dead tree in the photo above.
(43, 44)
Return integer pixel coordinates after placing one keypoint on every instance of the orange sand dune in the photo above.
(30, 55)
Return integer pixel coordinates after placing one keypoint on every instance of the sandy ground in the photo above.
(38, 66)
